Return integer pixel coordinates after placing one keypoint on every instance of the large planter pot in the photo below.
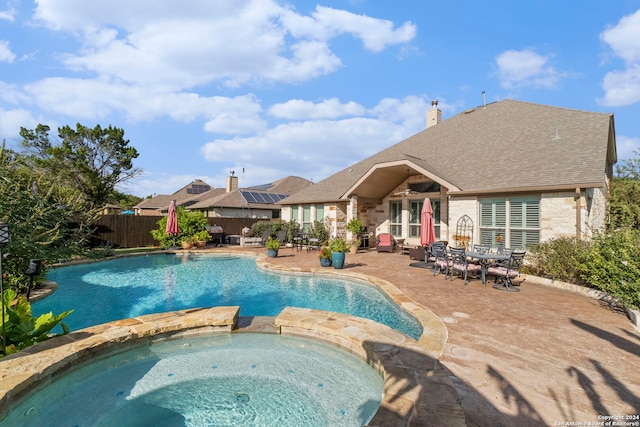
(201, 244)
(337, 259)
(325, 262)
(186, 245)
(272, 253)
(353, 249)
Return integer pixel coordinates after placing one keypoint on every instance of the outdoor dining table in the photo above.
(485, 259)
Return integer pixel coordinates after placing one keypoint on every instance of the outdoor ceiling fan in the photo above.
(406, 192)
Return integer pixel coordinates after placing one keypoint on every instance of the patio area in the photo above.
(543, 356)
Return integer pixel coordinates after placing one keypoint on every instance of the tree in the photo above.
(91, 161)
(624, 195)
(45, 220)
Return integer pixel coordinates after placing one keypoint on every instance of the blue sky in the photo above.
(279, 88)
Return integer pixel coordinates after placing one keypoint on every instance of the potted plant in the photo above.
(325, 257)
(201, 238)
(187, 242)
(355, 226)
(338, 248)
(272, 246)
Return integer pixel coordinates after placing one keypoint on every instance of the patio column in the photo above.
(352, 211)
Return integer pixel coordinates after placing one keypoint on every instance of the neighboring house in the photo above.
(519, 173)
(111, 209)
(251, 202)
(230, 202)
(186, 196)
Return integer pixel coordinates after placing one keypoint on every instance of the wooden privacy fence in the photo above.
(133, 231)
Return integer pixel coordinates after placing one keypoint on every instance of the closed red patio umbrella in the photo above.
(172, 221)
(427, 227)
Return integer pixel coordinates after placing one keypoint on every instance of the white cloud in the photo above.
(622, 87)
(12, 120)
(298, 109)
(627, 148)
(8, 15)
(234, 42)
(87, 99)
(322, 145)
(326, 23)
(5, 52)
(623, 38)
(526, 68)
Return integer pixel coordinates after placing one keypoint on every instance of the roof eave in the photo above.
(536, 189)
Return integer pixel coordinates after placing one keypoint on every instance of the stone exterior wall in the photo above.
(597, 201)
(558, 215)
(458, 207)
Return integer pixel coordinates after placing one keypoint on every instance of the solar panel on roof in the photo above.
(198, 189)
(264, 198)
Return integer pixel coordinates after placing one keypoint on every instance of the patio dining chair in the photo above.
(481, 249)
(265, 236)
(441, 260)
(461, 266)
(507, 272)
(282, 237)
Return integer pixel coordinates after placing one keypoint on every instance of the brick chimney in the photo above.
(434, 116)
(232, 182)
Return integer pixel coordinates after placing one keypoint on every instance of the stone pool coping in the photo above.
(417, 388)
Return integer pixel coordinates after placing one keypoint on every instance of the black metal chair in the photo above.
(282, 237)
(481, 249)
(507, 272)
(441, 260)
(460, 265)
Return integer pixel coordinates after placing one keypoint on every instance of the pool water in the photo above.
(130, 287)
(245, 379)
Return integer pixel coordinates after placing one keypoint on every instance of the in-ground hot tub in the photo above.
(245, 379)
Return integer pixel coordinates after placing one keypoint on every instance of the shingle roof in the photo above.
(288, 185)
(504, 145)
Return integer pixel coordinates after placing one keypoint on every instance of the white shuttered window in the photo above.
(511, 222)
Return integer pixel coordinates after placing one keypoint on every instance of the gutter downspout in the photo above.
(578, 198)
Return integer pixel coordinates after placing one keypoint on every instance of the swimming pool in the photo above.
(133, 286)
(225, 380)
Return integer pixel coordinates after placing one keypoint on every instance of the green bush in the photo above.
(320, 231)
(189, 223)
(613, 265)
(559, 259)
(609, 263)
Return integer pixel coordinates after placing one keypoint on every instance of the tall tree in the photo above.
(624, 195)
(45, 220)
(91, 161)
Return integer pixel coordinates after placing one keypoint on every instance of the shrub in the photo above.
(609, 263)
(320, 231)
(613, 265)
(559, 259)
(189, 223)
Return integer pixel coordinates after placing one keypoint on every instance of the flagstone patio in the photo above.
(543, 356)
